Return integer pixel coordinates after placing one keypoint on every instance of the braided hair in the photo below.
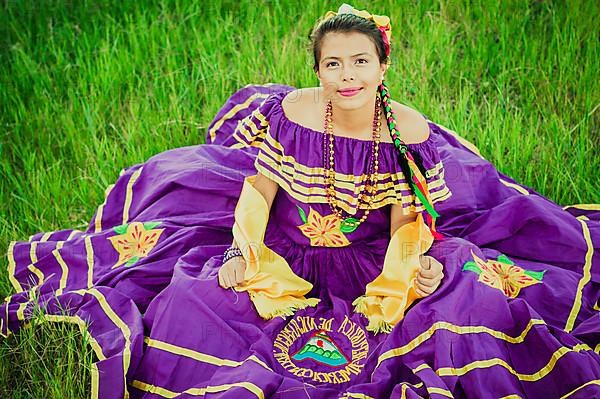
(398, 143)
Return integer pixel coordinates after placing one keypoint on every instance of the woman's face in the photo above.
(349, 61)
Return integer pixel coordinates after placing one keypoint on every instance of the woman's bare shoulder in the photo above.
(411, 124)
(303, 106)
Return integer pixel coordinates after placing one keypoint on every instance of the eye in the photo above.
(329, 63)
(362, 59)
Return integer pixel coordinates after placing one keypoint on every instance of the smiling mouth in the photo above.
(350, 92)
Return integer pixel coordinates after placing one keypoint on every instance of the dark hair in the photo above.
(346, 23)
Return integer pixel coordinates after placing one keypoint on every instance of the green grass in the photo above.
(88, 88)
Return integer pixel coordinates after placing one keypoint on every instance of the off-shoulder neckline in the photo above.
(284, 117)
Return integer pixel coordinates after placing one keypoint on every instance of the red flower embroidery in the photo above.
(135, 242)
(503, 274)
(323, 231)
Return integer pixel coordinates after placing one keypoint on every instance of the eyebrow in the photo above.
(337, 58)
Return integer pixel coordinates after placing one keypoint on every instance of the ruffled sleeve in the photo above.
(251, 130)
(276, 157)
(434, 172)
(278, 145)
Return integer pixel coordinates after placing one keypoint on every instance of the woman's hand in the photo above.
(231, 274)
(429, 277)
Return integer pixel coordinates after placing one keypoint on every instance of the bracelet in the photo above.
(229, 256)
(232, 248)
(231, 252)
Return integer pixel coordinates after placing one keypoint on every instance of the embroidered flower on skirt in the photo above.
(135, 241)
(503, 274)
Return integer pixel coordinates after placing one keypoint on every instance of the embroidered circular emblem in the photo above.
(322, 350)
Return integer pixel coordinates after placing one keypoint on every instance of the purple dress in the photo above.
(516, 315)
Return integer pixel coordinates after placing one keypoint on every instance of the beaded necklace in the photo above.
(349, 223)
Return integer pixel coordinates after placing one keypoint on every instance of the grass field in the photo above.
(90, 87)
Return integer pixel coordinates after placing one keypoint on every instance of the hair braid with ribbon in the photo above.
(410, 163)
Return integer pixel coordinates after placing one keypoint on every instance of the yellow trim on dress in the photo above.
(515, 186)
(479, 364)
(63, 267)
(21, 311)
(89, 256)
(100, 210)
(265, 135)
(241, 131)
(95, 374)
(12, 268)
(431, 390)
(8, 332)
(587, 275)
(166, 393)
(586, 207)
(95, 383)
(405, 386)
(440, 391)
(33, 258)
(121, 325)
(199, 356)
(109, 312)
(357, 395)
(129, 194)
(461, 330)
(270, 282)
(316, 194)
(538, 375)
(232, 112)
(318, 171)
(354, 183)
(82, 329)
(593, 382)
(392, 292)
(290, 173)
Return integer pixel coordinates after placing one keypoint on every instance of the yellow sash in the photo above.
(392, 292)
(270, 282)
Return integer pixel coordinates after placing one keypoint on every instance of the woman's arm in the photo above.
(231, 274)
(268, 189)
(398, 219)
(431, 273)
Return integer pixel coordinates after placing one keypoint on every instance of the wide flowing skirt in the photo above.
(516, 315)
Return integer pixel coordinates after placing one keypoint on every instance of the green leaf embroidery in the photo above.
(472, 266)
(504, 259)
(122, 229)
(348, 225)
(131, 261)
(151, 225)
(536, 275)
(302, 214)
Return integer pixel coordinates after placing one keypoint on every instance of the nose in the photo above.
(347, 73)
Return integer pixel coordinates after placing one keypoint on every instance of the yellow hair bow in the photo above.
(381, 21)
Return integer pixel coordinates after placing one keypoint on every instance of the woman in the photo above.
(343, 205)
